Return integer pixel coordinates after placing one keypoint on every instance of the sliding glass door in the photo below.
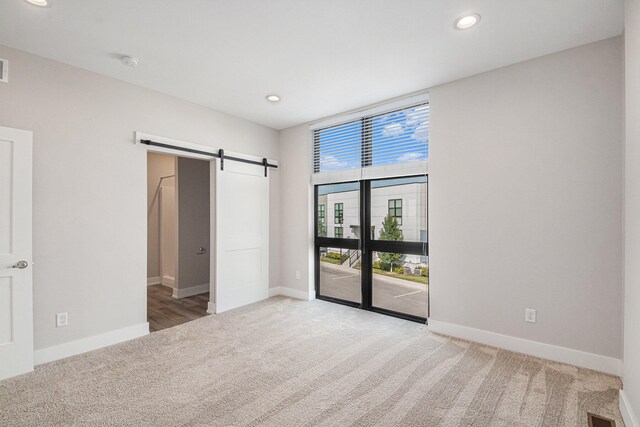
(371, 247)
(337, 242)
(397, 215)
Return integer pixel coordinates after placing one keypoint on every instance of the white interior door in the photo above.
(16, 301)
(241, 235)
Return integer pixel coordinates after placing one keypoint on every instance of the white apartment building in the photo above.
(339, 212)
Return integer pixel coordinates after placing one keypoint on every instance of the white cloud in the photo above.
(393, 129)
(417, 115)
(421, 133)
(331, 162)
(410, 157)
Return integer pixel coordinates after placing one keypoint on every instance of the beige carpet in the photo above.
(284, 362)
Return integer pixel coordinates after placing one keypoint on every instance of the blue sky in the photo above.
(399, 136)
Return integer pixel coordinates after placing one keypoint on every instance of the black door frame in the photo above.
(367, 246)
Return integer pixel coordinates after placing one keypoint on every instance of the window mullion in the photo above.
(366, 156)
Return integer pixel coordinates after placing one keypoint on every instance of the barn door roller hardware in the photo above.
(220, 155)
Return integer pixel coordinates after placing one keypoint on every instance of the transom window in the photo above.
(394, 137)
(395, 209)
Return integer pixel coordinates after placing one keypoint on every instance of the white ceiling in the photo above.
(322, 57)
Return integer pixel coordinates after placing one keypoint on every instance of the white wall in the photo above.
(296, 195)
(525, 209)
(526, 199)
(168, 234)
(90, 186)
(158, 165)
(631, 375)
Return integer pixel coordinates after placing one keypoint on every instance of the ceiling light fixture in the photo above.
(467, 21)
(272, 98)
(40, 3)
(129, 61)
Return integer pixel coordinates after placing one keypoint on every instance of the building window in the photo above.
(337, 232)
(338, 213)
(322, 229)
(395, 209)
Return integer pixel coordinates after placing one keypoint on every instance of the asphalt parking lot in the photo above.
(390, 293)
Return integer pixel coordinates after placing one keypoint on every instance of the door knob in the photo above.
(21, 265)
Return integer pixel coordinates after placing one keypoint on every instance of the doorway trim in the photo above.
(184, 144)
(195, 151)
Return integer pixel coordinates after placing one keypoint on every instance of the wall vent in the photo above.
(4, 70)
(596, 421)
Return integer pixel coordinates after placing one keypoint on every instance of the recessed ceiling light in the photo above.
(273, 98)
(40, 3)
(466, 21)
(129, 61)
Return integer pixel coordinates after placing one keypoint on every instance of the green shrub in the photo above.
(336, 256)
(399, 270)
(377, 264)
(425, 271)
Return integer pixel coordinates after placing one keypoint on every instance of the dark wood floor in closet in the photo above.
(164, 311)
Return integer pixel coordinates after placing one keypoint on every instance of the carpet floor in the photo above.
(283, 362)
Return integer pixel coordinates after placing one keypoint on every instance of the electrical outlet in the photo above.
(298, 274)
(61, 320)
(530, 315)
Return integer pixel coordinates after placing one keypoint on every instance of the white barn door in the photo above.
(16, 301)
(242, 235)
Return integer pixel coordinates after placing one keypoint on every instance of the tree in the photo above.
(390, 231)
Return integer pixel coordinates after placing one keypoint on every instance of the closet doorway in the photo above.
(178, 239)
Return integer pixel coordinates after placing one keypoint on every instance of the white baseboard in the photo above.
(168, 281)
(190, 291)
(154, 281)
(211, 307)
(556, 353)
(278, 290)
(274, 291)
(292, 293)
(628, 415)
(95, 342)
